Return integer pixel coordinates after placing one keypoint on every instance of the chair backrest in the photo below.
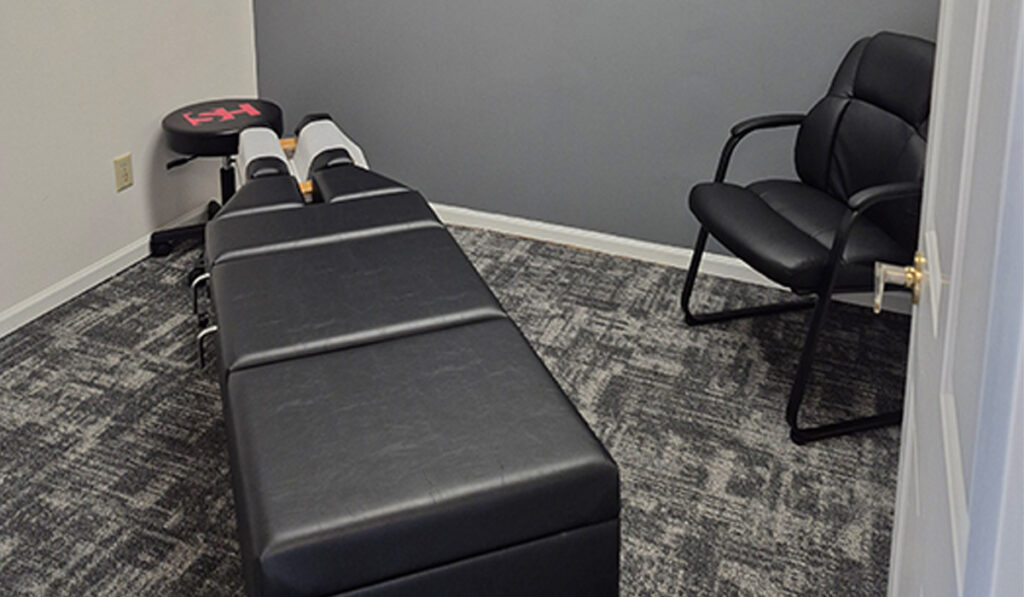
(871, 128)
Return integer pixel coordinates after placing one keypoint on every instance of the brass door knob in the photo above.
(908, 276)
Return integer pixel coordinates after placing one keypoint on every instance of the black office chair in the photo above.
(860, 155)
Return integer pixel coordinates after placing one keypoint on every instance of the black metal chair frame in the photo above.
(859, 203)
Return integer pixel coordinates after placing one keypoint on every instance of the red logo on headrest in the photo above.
(223, 113)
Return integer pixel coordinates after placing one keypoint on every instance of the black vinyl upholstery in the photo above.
(316, 224)
(347, 293)
(383, 460)
(870, 130)
(580, 562)
(391, 433)
(344, 183)
(211, 128)
(798, 223)
(266, 194)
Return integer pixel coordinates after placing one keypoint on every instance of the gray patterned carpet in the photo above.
(114, 480)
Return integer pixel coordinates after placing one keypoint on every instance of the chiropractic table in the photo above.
(390, 430)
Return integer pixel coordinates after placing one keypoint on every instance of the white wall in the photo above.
(81, 83)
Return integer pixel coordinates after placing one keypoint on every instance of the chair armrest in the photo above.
(770, 121)
(859, 203)
(742, 129)
(871, 196)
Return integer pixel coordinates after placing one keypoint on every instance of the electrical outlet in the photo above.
(123, 171)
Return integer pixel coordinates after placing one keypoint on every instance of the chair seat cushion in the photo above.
(327, 297)
(357, 466)
(314, 224)
(784, 229)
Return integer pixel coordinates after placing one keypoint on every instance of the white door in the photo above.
(978, 66)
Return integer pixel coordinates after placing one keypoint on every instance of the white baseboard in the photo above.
(713, 264)
(84, 279)
(621, 246)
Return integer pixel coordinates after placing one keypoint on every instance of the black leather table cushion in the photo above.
(366, 464)
(583, 561)
(295, 303)
(317, 223)
(797, 224)
(342, 183)
(267, 195)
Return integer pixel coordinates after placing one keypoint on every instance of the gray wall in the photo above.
(599, 114)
